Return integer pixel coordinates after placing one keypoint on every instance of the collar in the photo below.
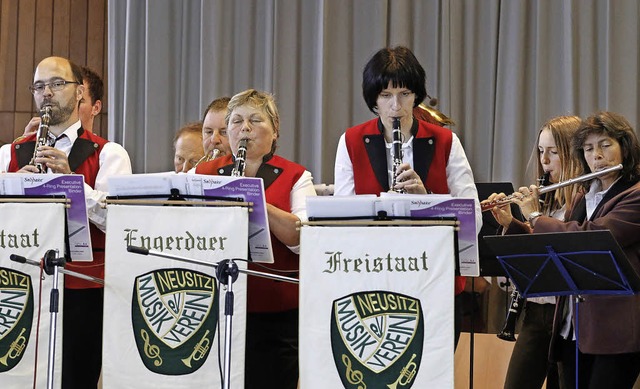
(596, 191)
(72, 131)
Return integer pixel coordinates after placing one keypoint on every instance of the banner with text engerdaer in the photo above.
(28, 230)
(164, 318)
(376, 307)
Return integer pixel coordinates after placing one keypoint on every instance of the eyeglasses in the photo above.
(57, 85)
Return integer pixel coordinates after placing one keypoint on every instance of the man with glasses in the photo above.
(90, 105)
(57, 83)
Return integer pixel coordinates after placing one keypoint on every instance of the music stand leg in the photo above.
(51, 264)
(471, 335)
(227, 273)
(576, 333)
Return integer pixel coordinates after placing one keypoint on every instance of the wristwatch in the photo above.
(533, 215)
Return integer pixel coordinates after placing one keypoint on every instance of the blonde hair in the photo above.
(261, 100)
(562, 129)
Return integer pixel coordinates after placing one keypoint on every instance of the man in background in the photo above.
(214, 128)
(187, 144)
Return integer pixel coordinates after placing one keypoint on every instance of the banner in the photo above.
(376, 307)
(164, 319)
(28, 230)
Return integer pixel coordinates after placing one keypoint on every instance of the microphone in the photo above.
(49, 261)
(138, 250)
(21, 259)
(17, 258)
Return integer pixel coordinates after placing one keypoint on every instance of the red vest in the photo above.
(279, 175)
(88, 167)
(366, 147)
(431, 149)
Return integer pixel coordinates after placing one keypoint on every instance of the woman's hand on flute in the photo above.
(502, 211)
(528, 200)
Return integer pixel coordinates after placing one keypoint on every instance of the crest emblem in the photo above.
(376, 339)
(16, 316)
(174, 314)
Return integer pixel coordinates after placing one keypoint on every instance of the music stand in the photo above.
(489, 264)
(566, 264)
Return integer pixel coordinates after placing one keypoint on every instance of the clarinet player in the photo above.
(529, 365)
(57, 83)
(432, 160)
(253, 127)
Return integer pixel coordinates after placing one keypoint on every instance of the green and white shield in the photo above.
(16, 316)
(174, 314)
(376, 339)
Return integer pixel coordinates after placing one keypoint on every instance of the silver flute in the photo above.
(545, 189)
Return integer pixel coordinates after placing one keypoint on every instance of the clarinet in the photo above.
(397, 153)
(238, 169)
(42, 137)
(515, 307)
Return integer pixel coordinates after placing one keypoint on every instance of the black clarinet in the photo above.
(238, 169)
(515, 307)
(396, 148)
(42, 137)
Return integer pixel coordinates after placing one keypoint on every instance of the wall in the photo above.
(31, 30)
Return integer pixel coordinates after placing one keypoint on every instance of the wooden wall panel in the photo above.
(31, 30)
(6, 122)
(61, 20)
(8, 43)
(24, 60)
(96, 37)
(78, 31)
(20, 119)
(44, 30)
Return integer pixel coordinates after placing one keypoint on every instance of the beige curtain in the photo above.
(499, 68)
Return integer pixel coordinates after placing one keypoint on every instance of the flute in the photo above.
(544, 189)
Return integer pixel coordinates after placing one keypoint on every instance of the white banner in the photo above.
(376, 307)
(28, 230)
(164, 318)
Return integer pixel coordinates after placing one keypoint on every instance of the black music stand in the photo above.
(489, 264)
(566, 264)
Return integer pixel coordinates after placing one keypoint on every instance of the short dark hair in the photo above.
(617, 127)
(96, 86)
(76, 71)
(189, 128)
(397, 65)
(219, 104)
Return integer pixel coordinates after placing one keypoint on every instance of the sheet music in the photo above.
(248, 189)
(69, 185)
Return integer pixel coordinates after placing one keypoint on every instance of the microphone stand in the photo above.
(51, 264)
(227, 272)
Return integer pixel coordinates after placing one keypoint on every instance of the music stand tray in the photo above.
(566, 263)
